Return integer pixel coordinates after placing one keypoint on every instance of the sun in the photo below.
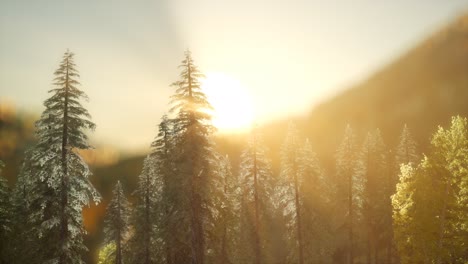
(233, 110)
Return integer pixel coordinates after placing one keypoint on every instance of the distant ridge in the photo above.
(423, 88)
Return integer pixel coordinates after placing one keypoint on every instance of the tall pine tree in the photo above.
(406, 150)
(192, 153)
(316, 200)
(430, 206)
(5, 216)
(60, 187)
(351, 185)
(143, 244)
(292, 197)
(117, 221)
(255, 176)
(228, 205)
(373, 171)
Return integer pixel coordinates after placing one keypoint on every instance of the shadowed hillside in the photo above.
(423, 88)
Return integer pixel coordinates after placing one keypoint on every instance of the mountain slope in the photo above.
(423, 88)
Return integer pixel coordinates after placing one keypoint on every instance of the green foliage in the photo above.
(106, 254)
(430, 209)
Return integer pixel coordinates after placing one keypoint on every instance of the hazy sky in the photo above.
(289, 55)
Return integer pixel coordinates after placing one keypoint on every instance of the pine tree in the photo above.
(351, 184)
(405, 153)
(60, 187)
(193, 155)
(374, 173)
(292, 197)
(430, 206)
(255, 176)
(5, 216)
(21, 244)
(450, 159)
(143, 242)
(406, 150)
(117, 221)
(316, 191)
(228, 205)
(167, 225)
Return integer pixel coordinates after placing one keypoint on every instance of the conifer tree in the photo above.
(228, 206)
(405, 153)
(374, 174)
(192, 153)
(164, 168)
(406, 150)
(21, 245)
(5, 216)
(255, 176)
(60, 185)
(117, 221)
(143, 241)
(316, 191)
(292, 197)
(351, 185)
(430, 206)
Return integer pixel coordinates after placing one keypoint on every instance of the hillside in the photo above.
(423, 88)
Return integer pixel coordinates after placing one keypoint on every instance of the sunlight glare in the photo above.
(233, 111)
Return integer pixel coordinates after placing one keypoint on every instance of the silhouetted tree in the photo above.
(192, 158)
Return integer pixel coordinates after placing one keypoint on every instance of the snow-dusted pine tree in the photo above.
(316, 192)
(166, 224)
(5, 216)
(192, 153)
(60, 186)
(227, 202)
(257, 190)
(346, 163)
(292, 197)
(373, 170)
(305, 200)
(117, 221)
(20, 245)
(143, 245)
(406, 150)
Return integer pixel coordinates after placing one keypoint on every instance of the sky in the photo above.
(286, 56)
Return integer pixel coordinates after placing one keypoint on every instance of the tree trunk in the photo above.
(223, 247)
(257, 235)
(368, 256)
(147, 222)
(298, 215)
(118, 255)
(64, 179)
(350, 229)
(376, 250)
(224, 259)
(442, 223)
(197, 243)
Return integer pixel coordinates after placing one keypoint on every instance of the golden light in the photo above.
(233, 108)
